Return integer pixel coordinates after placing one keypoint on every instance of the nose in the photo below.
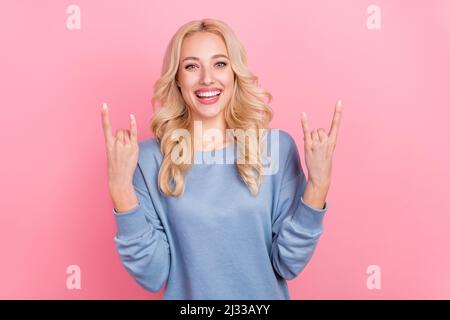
(206, 77)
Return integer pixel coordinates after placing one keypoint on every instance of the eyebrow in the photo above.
(213, 57)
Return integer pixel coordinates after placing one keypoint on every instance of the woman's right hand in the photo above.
(122, 152)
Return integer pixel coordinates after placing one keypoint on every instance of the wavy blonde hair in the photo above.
(246, 109)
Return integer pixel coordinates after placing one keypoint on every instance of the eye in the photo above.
(221, 62)
(224, 64)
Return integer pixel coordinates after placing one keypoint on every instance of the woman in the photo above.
(233, 230)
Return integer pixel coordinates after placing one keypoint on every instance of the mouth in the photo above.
(208, 97)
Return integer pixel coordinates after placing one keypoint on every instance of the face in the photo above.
(205, 67)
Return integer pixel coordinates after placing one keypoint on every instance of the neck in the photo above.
(209, 133)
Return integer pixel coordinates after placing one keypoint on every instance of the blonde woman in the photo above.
(221, 229)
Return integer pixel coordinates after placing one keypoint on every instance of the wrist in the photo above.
(123, 198)
(319, 186)
(125, 202)
(120, 189)
(315, 196)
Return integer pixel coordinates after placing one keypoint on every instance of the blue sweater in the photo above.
(217, 241)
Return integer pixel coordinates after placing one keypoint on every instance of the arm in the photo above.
(297, 225)
(315, 197)
(141, 241)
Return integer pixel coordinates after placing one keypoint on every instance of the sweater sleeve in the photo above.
(296, 226)
(141, 241)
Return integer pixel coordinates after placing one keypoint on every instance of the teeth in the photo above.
(208, 94)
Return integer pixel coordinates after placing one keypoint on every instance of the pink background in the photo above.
(388, 203)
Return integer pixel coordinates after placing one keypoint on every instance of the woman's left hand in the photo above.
(319, 148)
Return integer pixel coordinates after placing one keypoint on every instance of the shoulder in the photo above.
(150, 145)
(282, 142)
(283, 149)
(149, 153)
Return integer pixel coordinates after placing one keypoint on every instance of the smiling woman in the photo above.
(210, 83)
(212, 231)
(194, 67)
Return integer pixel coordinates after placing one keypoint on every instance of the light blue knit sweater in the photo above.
(217, 241)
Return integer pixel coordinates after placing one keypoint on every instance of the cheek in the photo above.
(188, 80)
(227, 79)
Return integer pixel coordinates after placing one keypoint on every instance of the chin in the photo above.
(212, 112)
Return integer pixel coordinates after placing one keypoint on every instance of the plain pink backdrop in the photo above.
(388, 202)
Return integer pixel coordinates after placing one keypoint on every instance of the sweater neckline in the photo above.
(230, 144)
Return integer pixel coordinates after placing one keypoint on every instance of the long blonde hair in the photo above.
(246, 110)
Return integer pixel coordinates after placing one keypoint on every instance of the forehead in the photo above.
(202, 45)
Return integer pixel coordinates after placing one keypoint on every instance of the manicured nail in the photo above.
(339, 103)
(132, 116)
(304, 114)
(104, 106)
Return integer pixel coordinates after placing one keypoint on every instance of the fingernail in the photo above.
(132, 116)
(339, 103)
(104, 106)
(303, 114)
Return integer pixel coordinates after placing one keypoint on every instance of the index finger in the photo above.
(106, 124)
(133, 128)
(336, 121)
(305, 127)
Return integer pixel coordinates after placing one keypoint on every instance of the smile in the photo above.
(208, 97)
